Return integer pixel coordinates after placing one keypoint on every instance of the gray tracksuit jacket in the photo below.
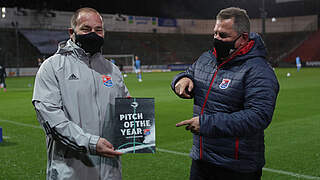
(74, 101)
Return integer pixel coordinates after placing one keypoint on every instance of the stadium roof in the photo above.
(201, 9)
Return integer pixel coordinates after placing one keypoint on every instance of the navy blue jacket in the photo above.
(238, 106)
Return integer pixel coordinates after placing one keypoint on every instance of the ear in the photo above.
(245, 37)
(70, 31)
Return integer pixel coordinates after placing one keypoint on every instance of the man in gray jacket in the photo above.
(74, 95)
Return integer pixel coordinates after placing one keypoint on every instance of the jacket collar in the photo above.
(244, 50)
(70, 47)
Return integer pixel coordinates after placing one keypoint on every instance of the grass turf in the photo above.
(292, 139)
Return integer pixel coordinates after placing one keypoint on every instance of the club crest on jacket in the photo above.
(107, 81)
(225, 83)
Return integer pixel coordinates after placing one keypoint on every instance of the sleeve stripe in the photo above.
(57, 136)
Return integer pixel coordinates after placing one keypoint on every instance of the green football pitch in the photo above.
(292, 140)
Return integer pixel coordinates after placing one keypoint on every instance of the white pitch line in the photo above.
(186, 154)
(19, 89)
(265, 169)
(5, 137)
(172, 152)
(20, 124)
(291, 174)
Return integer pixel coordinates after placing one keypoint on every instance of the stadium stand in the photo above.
(28, 54)
(185, 48)
(156, 48)
(308, 50)
(180, 42)
(279, 44)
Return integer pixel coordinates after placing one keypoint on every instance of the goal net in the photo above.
(125, 62)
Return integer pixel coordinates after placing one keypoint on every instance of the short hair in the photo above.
(74, 18)
(241, 23)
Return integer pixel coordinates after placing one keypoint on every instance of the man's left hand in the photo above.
(192, 124)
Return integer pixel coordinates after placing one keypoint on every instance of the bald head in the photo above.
(75, 17)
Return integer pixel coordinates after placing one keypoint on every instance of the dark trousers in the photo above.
(201, 170)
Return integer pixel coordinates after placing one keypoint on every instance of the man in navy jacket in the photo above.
(234, 91)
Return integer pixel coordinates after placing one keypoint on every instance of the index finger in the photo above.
(111, 153)
(178, 88)
(185, 122)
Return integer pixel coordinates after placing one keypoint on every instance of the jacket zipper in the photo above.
(96, 88)
(205, 101)
(236, 154)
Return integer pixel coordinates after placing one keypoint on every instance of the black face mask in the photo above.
(223, 49)
(90, 43)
